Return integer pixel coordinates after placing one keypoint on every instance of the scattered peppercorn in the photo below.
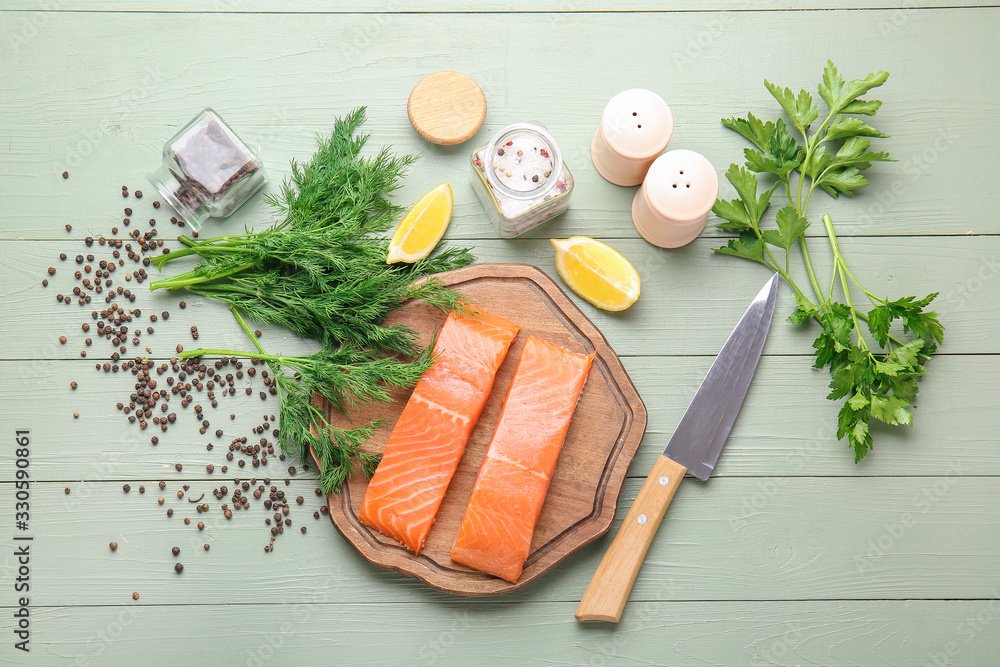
(114, 546)
(178, 568)
(138, 194)
(135, 596)
(175, 551)
(65, 174)
(126, 488)
(201, 525)
(73, 385)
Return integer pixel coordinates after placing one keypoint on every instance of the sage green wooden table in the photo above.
(791, 554)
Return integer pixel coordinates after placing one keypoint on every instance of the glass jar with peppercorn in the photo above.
(207, 170)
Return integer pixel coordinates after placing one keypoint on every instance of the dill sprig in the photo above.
(345, 377)
(344, 310)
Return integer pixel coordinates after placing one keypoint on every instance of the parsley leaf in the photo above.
(791, 227)
(800, 109)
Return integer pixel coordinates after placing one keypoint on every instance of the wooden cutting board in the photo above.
(603, 436)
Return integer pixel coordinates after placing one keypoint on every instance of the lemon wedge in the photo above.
(422, 227)
(597, 272)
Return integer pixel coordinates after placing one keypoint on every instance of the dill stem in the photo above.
(246, 329)
(194, 278)
(203, 352)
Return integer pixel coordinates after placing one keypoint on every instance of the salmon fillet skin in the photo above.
(507, 497)
(428, 440)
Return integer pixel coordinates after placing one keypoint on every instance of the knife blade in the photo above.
(694, 448)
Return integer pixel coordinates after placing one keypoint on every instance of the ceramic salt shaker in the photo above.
(635, 128)
(671, 208)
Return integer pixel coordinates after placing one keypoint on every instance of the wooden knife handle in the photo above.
(611, 584)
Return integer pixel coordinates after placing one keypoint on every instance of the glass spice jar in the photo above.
(521, 179)
(207, 170)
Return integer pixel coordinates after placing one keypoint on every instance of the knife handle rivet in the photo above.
(664, 480)
(642, 519)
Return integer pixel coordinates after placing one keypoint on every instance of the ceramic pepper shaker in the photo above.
(635, 128)
(671, 208)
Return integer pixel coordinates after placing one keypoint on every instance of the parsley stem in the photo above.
(775, 266)
(812, 274)
(876, 300)
(839, 267)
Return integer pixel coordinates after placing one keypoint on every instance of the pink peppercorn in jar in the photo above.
(207, 170)
(521, 179)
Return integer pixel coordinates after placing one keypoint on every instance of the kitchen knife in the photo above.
(694, 448)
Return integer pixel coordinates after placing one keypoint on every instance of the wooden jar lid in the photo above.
(446, 108)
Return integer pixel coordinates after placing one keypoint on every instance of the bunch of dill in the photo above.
(321, 272)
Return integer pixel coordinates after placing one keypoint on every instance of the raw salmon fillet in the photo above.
(429, 438)
(495, 534)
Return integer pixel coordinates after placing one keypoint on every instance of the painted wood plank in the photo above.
(492, 7)
(691, 297)
(760, 539)
(106, 123)
(271, 631)
(786, 427)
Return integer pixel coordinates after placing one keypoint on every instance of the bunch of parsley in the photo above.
(879, 380)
